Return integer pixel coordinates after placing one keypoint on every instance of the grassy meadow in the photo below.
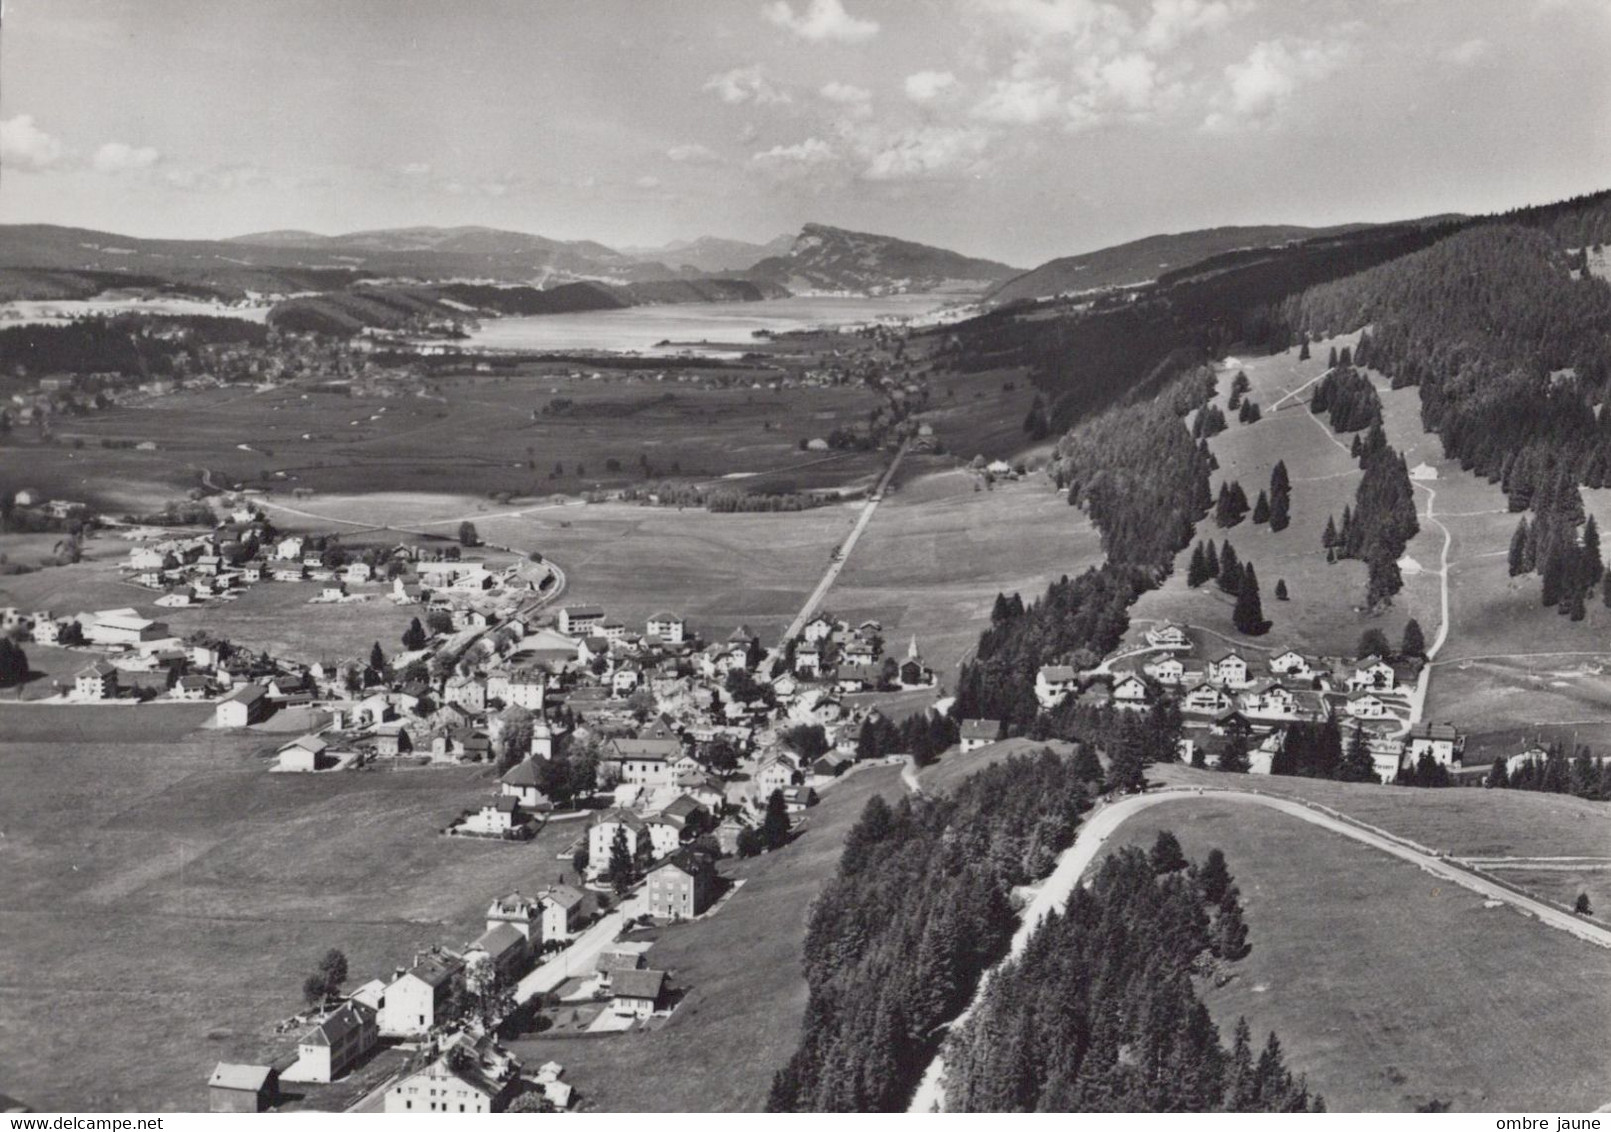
(1388, 988)
(164, 896)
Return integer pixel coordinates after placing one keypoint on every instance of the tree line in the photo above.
(917, 911)
(1101, 1013)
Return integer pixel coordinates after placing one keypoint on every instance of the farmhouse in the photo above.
(1053, 684)
(96, 682)
(1368, 705)
(336, 1044)
(123, 628)
(641, 762)
(683, 887)
(1205, 699)
(454, 1083)
(976, 733)
(302, 754)
(415, 999)
(244, 706)
(1130, 691)
(242, 1088)
(522, 913)
(579, 620)
(503, 946)
(669, 627)
(1442, 741)
(565, 910)
(1168, 636)
(1230, 670)
(1169, 670)
(637, 994)
(1373, 674)
(601, 837)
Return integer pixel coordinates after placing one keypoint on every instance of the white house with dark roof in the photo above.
(1442, 741)
(1054, 683)
(415, 999)
(97, 681)
(1168, 636)
(335, 1044)
(580, 620)
(565, 910)
(669, 627)
(1130, 691)
(1230, 670)
(976, 733)
(246, 705)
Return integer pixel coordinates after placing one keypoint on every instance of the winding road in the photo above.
(1053, 893)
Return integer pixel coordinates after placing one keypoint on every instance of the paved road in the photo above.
(1423, 681)
(581, 956)
(1093, 833)
(841, 556)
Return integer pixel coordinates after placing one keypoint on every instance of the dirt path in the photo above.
(841, 556)
(1054, 891)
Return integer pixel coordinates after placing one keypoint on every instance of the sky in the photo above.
(1020, 130)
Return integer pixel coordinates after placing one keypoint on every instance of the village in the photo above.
(1251, 699)
(662, 751)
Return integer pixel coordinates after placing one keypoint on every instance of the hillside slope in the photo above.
(1140, 261)
(835, 259)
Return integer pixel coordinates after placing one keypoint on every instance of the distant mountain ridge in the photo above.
(712, 253)
(823, 258)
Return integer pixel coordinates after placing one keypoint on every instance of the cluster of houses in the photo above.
(851, 658)
(1259, 700)
(422, 1003)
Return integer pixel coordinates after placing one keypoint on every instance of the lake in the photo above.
(687, 325)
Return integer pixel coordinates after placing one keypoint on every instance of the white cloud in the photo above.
(692, 154)
(931, 152)
(120, 157)
(1083, 22)
(812, 151)
(856, 101)
(25, 145)
(821, 21)
(1022, 101)
(417, 169)
(209, 179)
(926, 86)
(647, 182)
(1466, 54)
(1174, 20)
(746, 84)
(1260, 85)
(1128, 81)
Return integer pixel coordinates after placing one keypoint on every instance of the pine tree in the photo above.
(1303, 350)
(1230, 930)
(1346, 358)
(1211, 559)
(1280, 510)
(775, 826)
(414, 636)
(1518, 549)
(1328, 538)
(1233, 757)
(1248, 615)
(1230, 570)
(377, 659)
(1594, 565)
(1357, 765)
(1280, 589)
(1331, 359)
(1414, 642)
(1166, 856)
(1214, 878)
(1499, 777)
(1280, 479)
(620, 870)
(1197, 571)
(1261, 509)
